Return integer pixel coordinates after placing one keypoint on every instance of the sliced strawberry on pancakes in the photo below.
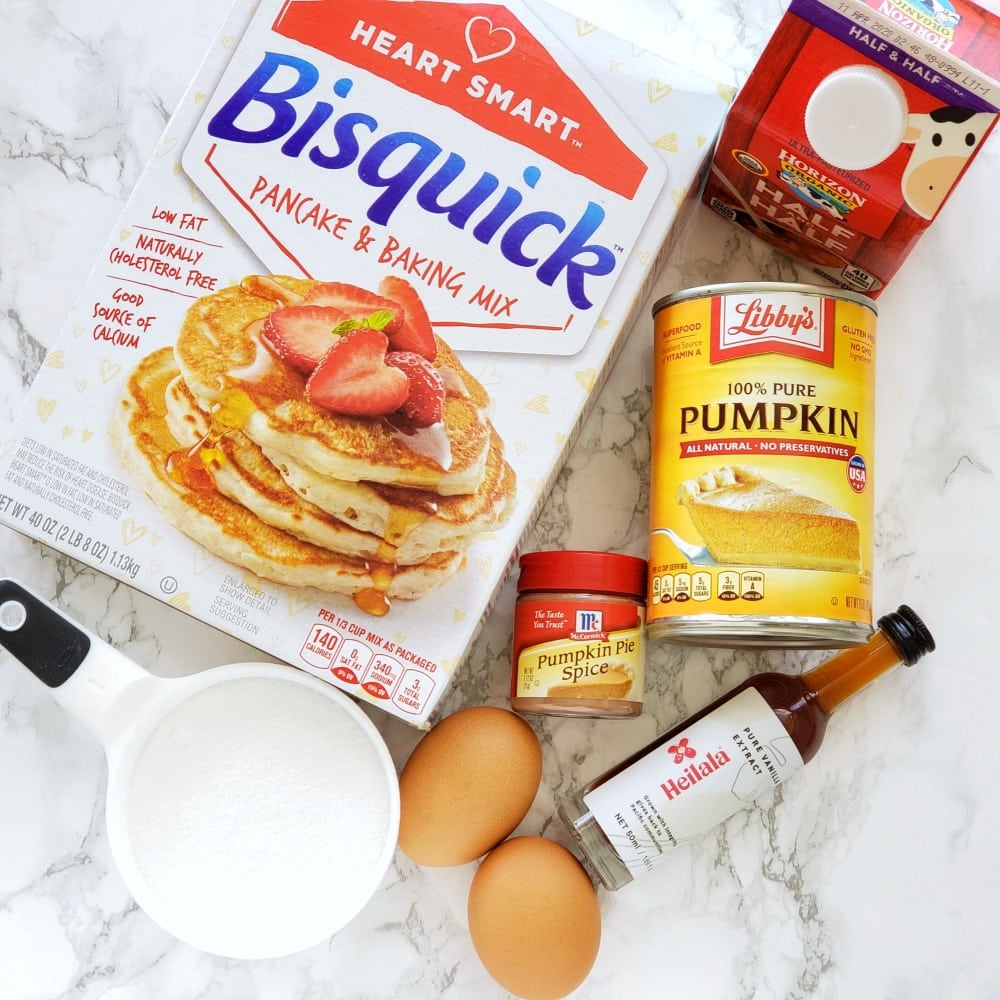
(425, 403)
(415, 332)
(301, 335)
(353, 378)
(357, 303)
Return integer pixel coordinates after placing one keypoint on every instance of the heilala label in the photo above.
(693, 781)
(352, 137)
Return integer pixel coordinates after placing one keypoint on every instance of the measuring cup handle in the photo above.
(85, 674)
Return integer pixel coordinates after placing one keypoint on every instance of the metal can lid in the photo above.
(602, 572)
(763, 288)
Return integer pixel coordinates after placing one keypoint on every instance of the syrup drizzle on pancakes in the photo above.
(189, 467)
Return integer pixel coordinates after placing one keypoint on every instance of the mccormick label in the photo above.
(761, 484)
(854, 127)
(693, 780)
(592, 650)
(329, 359)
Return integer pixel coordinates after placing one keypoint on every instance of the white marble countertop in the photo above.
(870, 874)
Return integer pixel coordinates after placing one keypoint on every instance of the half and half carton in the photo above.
(856, 124)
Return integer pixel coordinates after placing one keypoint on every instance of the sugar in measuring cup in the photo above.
(252, 809)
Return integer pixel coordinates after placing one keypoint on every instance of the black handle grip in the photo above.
(50, 646)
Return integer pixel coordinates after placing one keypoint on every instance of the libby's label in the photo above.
(756, 323)
(587, 649)
(693, 780)
(763, 436)
(348, 138)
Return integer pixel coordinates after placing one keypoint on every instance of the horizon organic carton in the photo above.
(855, 125)
(328, 362)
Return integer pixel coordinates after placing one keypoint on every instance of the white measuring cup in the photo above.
(252, 809)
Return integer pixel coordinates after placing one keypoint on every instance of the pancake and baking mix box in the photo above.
(331, 355)
(856, 124)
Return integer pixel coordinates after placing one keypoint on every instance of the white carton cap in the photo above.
(856, 117)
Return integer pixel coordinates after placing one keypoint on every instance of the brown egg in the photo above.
(534, 918)
(467, 785)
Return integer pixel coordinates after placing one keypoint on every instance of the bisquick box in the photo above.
(855, 125)
(594, 143)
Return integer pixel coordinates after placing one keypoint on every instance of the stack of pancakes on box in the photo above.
(234, 439)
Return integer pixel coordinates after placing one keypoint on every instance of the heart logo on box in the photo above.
(181, 601)
(489, 375)
(109, 370)
(166, 146)
(486, 41)
(297, 603)
(656, 91)
(131, 532)
(202, 561)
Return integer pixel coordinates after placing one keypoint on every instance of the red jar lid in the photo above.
(597, 572)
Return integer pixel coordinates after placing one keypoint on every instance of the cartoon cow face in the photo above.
(943, 141)
(943, 13)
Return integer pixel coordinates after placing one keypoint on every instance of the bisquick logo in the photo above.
(693, 772)
(773, 322)
(408, 164)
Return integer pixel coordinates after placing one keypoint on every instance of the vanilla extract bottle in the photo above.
(719, 760)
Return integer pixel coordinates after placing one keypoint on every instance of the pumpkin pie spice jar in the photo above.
(579, 634)
(761, 492)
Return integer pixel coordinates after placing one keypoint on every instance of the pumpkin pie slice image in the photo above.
(746, 519)
(614, 685)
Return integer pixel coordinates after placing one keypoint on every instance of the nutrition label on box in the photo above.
(363, 659)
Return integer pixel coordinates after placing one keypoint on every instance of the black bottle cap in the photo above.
(908, 633)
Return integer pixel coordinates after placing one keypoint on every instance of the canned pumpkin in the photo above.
(761, 508)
